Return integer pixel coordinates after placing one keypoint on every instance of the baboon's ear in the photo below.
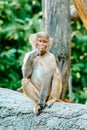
(32, 39)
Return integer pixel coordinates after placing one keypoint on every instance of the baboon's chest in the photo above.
(42, 69)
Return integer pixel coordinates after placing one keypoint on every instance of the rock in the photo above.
(16, 114)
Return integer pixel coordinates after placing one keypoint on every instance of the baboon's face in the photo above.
(42, 45)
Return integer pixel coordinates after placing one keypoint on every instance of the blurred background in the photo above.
(20, 18)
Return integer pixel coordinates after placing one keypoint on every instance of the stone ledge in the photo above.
(16, 114)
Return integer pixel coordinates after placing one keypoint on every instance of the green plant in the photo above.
(79, 62)
(17, 20)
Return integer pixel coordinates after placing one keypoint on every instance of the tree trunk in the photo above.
(56, 17)
(16, 114)
(81, 6)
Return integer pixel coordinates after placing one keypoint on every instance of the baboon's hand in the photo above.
(33, 54)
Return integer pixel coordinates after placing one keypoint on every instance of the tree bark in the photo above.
(16, 114)
(56, 17)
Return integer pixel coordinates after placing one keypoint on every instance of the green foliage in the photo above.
(18, 19)
(79, 62)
